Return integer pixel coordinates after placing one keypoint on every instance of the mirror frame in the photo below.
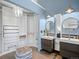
(48, 25)
(76, 25)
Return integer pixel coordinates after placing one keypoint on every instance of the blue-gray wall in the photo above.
(42, 26)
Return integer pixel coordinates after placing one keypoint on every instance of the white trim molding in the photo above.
(38, 4)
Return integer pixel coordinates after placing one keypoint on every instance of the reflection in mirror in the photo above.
(50, 28)
(70, 25)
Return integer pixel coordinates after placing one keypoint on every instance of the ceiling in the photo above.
(58, 6)
(10, 5)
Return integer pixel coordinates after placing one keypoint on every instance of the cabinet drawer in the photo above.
(7, 42)
(10, 35)
(70, 48)
(10, 41)
(68, 53)
(10, 46)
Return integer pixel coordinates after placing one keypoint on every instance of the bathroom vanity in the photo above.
(47, 43)
(69, 48)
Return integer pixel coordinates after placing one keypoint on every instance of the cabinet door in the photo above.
(47, 44)
(23, 29)
(0, 30)
(0, 43)
(23, 24)
(57, 45)
(32, 30)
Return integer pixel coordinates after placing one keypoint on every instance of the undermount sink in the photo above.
(48, 37)
(71, 40)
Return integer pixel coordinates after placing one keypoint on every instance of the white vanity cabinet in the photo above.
(0, 29)
(58, 19)
(57, 44)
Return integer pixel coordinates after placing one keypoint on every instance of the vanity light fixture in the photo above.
(70, 9)
(48, 16)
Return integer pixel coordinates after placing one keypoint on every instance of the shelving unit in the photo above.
(17, 31)
(0, 30)
(9, 30)
(10, 42)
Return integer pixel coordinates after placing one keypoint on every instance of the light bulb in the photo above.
(48, 16)
(69, 10)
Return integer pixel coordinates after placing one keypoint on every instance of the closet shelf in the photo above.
(12, 33)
